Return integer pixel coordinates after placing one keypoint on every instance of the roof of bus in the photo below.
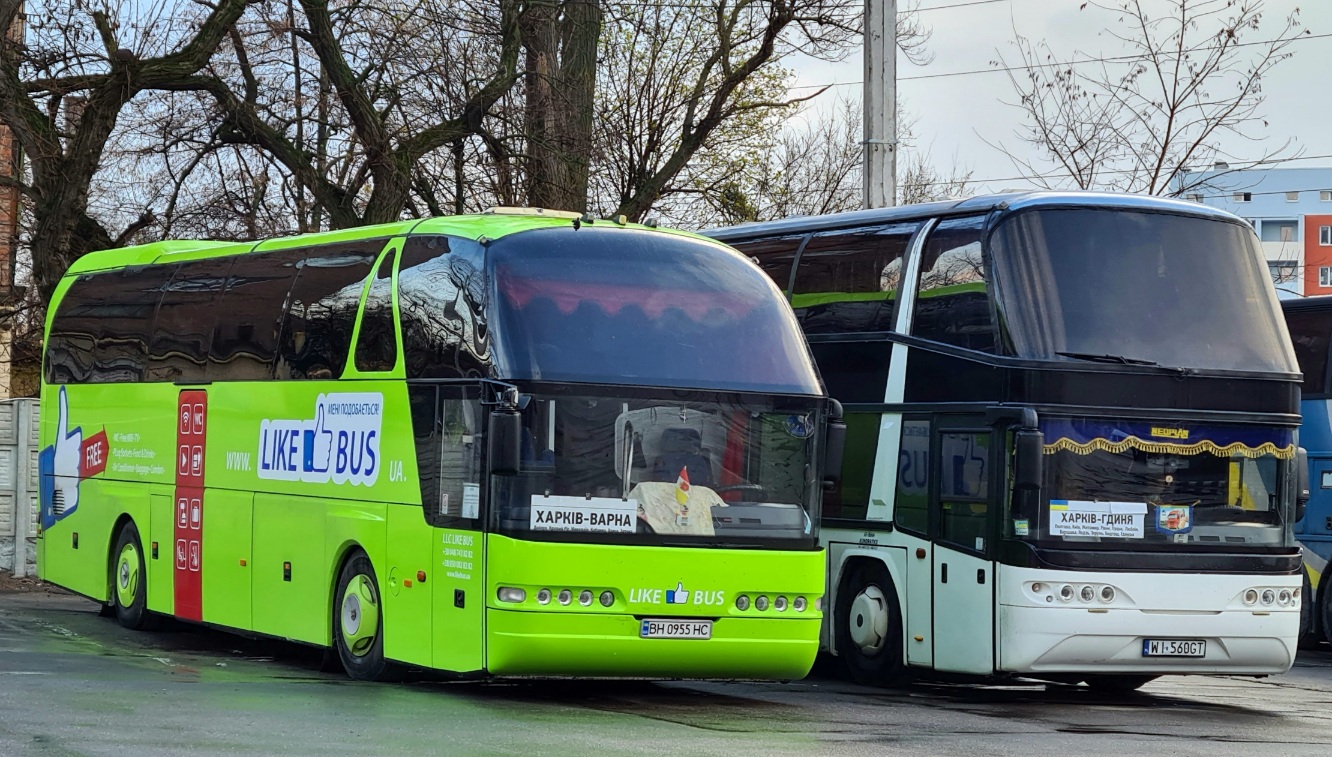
(1320, 302)
(489, 225)
(1008, 201)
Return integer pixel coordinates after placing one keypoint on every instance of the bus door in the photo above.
(962, 514)
(447, 421)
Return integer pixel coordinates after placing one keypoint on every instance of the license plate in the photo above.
(1174, 648)
(656, 628)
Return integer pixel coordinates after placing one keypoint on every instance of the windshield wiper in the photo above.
(1094, 358)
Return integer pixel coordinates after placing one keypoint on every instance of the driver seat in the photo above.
(682, 448)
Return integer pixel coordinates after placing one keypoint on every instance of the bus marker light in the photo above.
(420, 576)
(607, 599)
(407, 583)
(242, 562)
(779, 604)
(543, 596)
(920, 553)
(799, 604)
(761, 603)
(1251, 596)
(512, 594)
(1049, 598)
(918, 638)
(1269, 596)
(1036, 587)
(565, 596)
(818, 604)
(1066, 593)
(585, 597)
(1087, 594)
(742, 602)
(1295, 593)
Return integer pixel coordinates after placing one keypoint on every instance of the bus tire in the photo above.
(869, 627)
(1324, 600)
(1311, 634)
(129, 581)
(1118, 684)
(358, 620)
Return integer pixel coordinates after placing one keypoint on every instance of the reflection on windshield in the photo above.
(1175, 290)
(600, 465)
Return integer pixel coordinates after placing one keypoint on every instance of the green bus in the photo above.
(514, 443)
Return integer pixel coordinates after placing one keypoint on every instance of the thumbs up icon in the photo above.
(60, 467)
(317, 444)
(678, 595)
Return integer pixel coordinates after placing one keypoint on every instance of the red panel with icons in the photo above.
(191, 431)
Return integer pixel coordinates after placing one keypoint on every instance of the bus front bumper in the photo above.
(1070, 640)
(525, 643)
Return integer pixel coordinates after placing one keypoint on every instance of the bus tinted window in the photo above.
(321, 310)
(377, 344)
(245, 341)
(642, 307)
(186, 317)
(848, 279)
(854, 371)
(104, 324)
(1309, 333)
(953, 300)
(442, 305)
(775, 255)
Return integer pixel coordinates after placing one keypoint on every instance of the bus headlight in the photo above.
(585, 597)
(761, 603)
(1107, 593)
(565, 596)
(742, 602)
(1087, 594)
(799, 604)
(779, 604)
(607, 598)
(1284, 597)
(512, 594)
(1268, 597)
(1066, 593)
(1250, 596)
(543, 597)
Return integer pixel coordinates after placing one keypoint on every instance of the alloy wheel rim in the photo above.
(360, 615)
(868, 620)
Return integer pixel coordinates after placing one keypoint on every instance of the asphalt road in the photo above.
(73, 683)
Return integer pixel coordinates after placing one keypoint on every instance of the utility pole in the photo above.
(880, 103)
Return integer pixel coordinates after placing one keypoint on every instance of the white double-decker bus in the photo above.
(1071, 446)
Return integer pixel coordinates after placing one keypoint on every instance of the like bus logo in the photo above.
(69, 460)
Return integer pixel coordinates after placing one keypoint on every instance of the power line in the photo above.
(954, 5)
(1057, 64)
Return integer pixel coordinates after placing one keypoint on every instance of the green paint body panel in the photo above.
(272, 548)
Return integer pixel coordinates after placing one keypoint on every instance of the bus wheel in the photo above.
(357, 621)
(129, 581)
(1325, 603)
(1310, 635)
(1112, 684)
(869, 627)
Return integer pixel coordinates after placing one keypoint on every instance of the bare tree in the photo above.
(1190, 81)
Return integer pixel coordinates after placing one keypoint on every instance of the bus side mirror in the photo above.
(834, 445)
(1028, 458)
(1302, 492)
(504, 445)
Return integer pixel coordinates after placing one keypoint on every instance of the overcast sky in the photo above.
(952, 112)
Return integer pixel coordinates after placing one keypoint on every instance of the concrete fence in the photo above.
(18, 486)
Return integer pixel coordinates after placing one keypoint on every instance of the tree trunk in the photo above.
(560, 87)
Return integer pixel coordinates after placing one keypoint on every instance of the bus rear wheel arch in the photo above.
(868, 625)
(358, 620)
(129, 580)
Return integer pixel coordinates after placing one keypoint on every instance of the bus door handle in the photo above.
(980, 575)
(943, 572)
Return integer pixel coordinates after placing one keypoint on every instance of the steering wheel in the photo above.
(739, 487)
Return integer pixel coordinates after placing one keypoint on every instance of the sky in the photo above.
(956, 115)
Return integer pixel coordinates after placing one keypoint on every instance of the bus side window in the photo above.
(104, 324)
(911, 502)
(186, 318)
(245, 340)
(775, 255)
(321, 310)
(964, 460)
(848, 279)
(1309, 333)
(953, 298)
(850, 497)
(442, 306)
(854, 372)
(377, 343)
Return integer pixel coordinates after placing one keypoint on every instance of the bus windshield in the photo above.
(697, 468)
(642, 308)
(1126, 486)
(1109, 285)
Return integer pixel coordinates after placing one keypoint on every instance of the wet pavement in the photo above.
(74, 683)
